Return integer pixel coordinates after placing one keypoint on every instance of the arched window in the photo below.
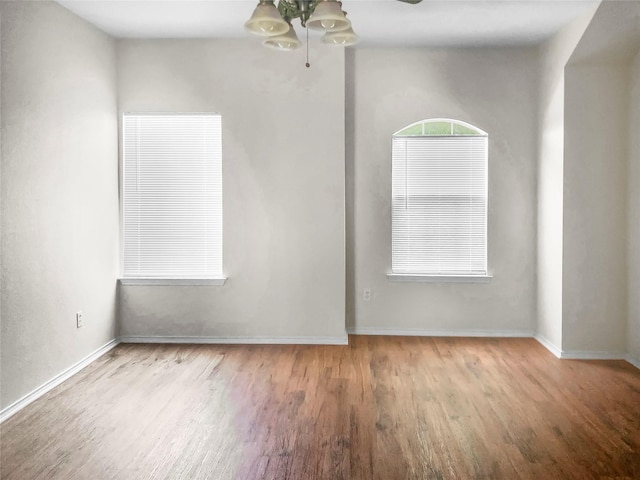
(439, 204)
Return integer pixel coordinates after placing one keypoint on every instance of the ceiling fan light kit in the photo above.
(322, 15)
(286, 41)
(343, 38)
(266, 21)
(328, 16)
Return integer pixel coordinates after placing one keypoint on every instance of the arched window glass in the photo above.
(439, 204)
(439, 126)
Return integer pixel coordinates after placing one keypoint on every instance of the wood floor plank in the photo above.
(380, 408)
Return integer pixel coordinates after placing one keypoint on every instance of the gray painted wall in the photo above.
(283, 170)
(493, 89)
(284, 135)
(554, 55)
(59, 193)
(633, 328)
(598, 226)
(595, 208)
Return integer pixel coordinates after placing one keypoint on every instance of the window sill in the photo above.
(406, 277)
(173, 281)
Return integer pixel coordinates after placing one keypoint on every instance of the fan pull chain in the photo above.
(307, 64)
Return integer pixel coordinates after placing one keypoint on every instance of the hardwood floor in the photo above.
(381, 408)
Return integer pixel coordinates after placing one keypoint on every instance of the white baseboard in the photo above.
(417, 332)
(582, 354)
(19, 404)
(591, 355)
(548, 345)
(341, 340)
(633, 361)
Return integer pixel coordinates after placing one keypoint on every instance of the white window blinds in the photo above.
(439, 205)
(172, 195)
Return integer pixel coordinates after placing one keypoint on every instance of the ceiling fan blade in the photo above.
(413, 2)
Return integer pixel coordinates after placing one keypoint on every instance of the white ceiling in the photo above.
(378, 22)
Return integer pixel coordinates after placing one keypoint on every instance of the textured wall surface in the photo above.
(493, 89)
(303, 150)
(283, 182)
(633, 313)
(598, 185)
(59, 193)
(594, 297)
(554, 55)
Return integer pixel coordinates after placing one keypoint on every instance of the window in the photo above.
(439, 204)
(172, 196)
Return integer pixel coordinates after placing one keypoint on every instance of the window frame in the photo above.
(167, 279)
(462, 277)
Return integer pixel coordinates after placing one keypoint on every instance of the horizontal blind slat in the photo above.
(172, 195)
(439, 205)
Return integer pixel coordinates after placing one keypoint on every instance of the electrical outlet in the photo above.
(367, 295)
(78, 319)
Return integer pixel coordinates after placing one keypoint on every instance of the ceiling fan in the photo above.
(324, 15)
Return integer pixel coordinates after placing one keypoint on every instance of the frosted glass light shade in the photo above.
(286, 41)
(341, 38)
(328, 16)
(266, 21)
